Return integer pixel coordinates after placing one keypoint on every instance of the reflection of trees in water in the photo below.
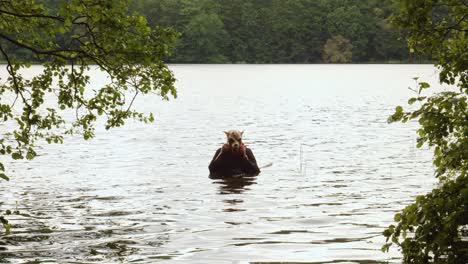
(234, 185)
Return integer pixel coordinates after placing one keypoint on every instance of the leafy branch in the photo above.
(67, 40)
(432, 229)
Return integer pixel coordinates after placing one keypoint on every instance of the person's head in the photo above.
(234, 139)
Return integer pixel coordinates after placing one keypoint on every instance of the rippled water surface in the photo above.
(141, 193)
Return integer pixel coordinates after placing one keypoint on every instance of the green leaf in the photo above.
(424, 85)
(464, 194)
(388, 232)
(30, 155)
(386, 247)
(397, 217)
(16, 156)
(7, 228)
(3, 176)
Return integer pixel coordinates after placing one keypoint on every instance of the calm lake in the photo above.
(141, 193)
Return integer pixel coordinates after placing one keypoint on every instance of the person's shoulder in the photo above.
(248, 150)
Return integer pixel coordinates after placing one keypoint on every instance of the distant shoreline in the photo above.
(353, 63)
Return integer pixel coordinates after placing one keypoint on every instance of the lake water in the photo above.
(141, 193)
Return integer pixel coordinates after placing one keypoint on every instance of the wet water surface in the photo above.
(141, 193)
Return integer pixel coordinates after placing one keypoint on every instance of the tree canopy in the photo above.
(272, 31)
(276, 31)
(68, 37)
(433, 228)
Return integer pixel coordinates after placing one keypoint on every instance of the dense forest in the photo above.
(275, 31)
(279, 31)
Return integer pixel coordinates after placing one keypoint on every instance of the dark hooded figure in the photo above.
(233, 158)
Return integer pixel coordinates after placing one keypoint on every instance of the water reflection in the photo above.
(235, 185)
(140, 194)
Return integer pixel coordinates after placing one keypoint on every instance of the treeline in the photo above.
(270, 31)
(278, 31)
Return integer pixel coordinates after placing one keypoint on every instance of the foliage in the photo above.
(337, 50)
(68, 39)
(434, 227)
(430, 228)
(204, 34)
(350, 23)
(275, 31)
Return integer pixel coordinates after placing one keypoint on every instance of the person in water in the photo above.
(233, 158)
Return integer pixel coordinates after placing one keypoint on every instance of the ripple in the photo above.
(115, 213)
(288, 232)
(141, 193)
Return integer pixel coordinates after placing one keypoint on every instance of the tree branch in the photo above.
(13, 76)
(61, 19)
(37, 51)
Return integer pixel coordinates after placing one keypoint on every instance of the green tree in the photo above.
(431, 230)
(349, 22)
(242, 23)
(67, 39)
(271, 31)
(203, 36)
(337, 50)
(298, 29)
(385, 44)
(162, 12)
(203, 40)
